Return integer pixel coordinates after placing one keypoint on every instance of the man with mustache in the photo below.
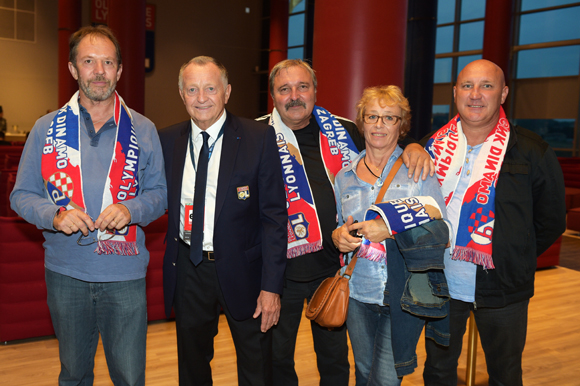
(313, 146)
(91, 175)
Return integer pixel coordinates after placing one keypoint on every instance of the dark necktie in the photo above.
(196, 249)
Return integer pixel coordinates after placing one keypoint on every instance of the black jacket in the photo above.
(250, 233)
(530, 215)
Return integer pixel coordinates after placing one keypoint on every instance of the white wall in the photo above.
(28, 71)
(218, 28)
(184, 29)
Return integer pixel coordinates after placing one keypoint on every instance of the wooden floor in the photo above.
(551, 357)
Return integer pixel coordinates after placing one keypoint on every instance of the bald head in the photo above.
(483, 66)
(479, 93)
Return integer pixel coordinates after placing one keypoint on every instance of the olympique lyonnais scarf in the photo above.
(400, 215)
(62, 170)
(337, 150)
(447, 148)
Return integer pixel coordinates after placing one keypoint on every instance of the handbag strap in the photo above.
(389, 179)
(350, 266)
(386, 183)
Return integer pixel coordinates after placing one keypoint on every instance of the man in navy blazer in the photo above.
(244, 234)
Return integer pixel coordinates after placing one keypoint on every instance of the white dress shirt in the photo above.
(189, 173)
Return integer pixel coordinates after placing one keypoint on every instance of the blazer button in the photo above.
(173, 264)
(175, 238)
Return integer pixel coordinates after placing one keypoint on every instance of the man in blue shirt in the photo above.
(91, 175)
(504, 192)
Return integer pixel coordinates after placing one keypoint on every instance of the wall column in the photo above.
(278, 37)
(127, 20)
(420, 67)
(357, 44)
(497, 34)
(69, 21)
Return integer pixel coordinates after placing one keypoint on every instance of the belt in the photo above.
(207, 255)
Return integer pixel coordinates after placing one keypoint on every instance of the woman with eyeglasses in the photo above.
(381, 357)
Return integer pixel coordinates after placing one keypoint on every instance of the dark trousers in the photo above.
(502, 332)
(197, 304)
(330, 345)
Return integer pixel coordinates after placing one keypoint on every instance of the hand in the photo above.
(343, 240)
(373, 230)
(115, 216)
(417, 160)
(269, 306)
(72, 221)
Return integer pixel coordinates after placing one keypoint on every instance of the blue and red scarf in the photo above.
(337, 150)
(62, 170)
(400, 215)
(448, 147)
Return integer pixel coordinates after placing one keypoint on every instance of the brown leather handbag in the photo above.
(329, 304)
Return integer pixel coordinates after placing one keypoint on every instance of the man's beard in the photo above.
(100, 93)
(297, 102)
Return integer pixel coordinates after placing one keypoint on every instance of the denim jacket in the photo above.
(354, 196)
(417, 283)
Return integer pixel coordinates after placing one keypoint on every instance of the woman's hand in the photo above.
(374, 230)
(343, 240)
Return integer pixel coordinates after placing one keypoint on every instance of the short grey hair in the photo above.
(286, 64)
(202, 61)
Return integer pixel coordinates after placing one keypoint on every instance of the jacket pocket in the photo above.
(515, 168)
(351, 204)
(513, 183)
(254, 253)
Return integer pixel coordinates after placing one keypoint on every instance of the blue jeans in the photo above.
(81, 310)
(502, 332)
(369, 328)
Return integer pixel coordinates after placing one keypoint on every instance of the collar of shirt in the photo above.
(213, 132)
(87, 121)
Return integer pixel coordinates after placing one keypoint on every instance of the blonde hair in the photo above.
(387, 96)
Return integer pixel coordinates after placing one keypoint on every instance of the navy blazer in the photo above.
(250, 236)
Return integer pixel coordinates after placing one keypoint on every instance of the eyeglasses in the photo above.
(84, 241)
(389, 120)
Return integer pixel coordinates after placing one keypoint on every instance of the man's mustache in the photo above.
(294, 103)
(100, 78)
